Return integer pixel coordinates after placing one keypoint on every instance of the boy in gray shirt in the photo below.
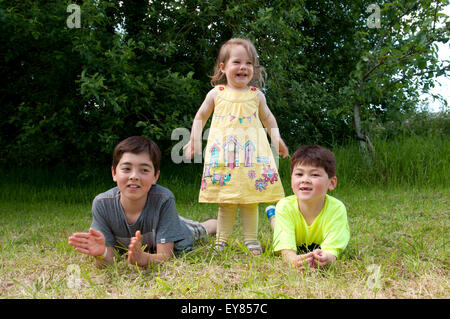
(138, 212)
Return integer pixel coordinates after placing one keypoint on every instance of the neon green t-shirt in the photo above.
(329, 230)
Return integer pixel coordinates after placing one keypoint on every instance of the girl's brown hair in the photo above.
(224, 54)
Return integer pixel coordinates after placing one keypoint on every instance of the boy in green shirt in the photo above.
(310, 227)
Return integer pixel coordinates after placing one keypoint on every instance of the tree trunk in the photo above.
(367, 148)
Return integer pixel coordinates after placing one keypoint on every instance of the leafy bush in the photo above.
(142, 68)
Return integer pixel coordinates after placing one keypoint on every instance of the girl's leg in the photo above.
(225, 222)
(249, 213)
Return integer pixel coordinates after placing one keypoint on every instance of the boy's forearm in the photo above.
(100, 263)
(322, 259)
(330, 258)
(297, 261)
(158, 258)
(289, 256)
(108, 259)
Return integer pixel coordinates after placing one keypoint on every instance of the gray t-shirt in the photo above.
(158, 222)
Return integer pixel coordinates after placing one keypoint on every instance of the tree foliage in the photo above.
(139, 67)
(396, 61)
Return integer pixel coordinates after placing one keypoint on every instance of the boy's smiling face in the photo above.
(311, 183)
(135, 175)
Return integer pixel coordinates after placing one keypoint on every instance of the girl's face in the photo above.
(238, 68)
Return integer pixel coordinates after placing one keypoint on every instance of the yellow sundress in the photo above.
(239, 166)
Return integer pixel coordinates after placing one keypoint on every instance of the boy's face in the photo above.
(135, 175)
(311, 183)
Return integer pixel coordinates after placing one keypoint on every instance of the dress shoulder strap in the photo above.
(234, 97)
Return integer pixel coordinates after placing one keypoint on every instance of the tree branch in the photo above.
(415, 74)
(383, 59)
(408, 54)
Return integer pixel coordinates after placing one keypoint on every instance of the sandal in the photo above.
(219, 246)
(254, 247)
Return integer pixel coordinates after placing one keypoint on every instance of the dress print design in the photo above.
(239, 164)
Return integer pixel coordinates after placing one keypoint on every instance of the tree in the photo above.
(39, 98)
(397, 59)
(69, 95)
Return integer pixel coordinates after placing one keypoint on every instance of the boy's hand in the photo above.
(91, 243)
(303, 261)
(316, 259)
(322, 259)
(135, 253)
(297, 261)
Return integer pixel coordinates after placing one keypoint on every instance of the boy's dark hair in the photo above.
(315, 155)
(136, 145)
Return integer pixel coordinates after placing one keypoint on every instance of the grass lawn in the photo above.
(397, 210)
(398, 249)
